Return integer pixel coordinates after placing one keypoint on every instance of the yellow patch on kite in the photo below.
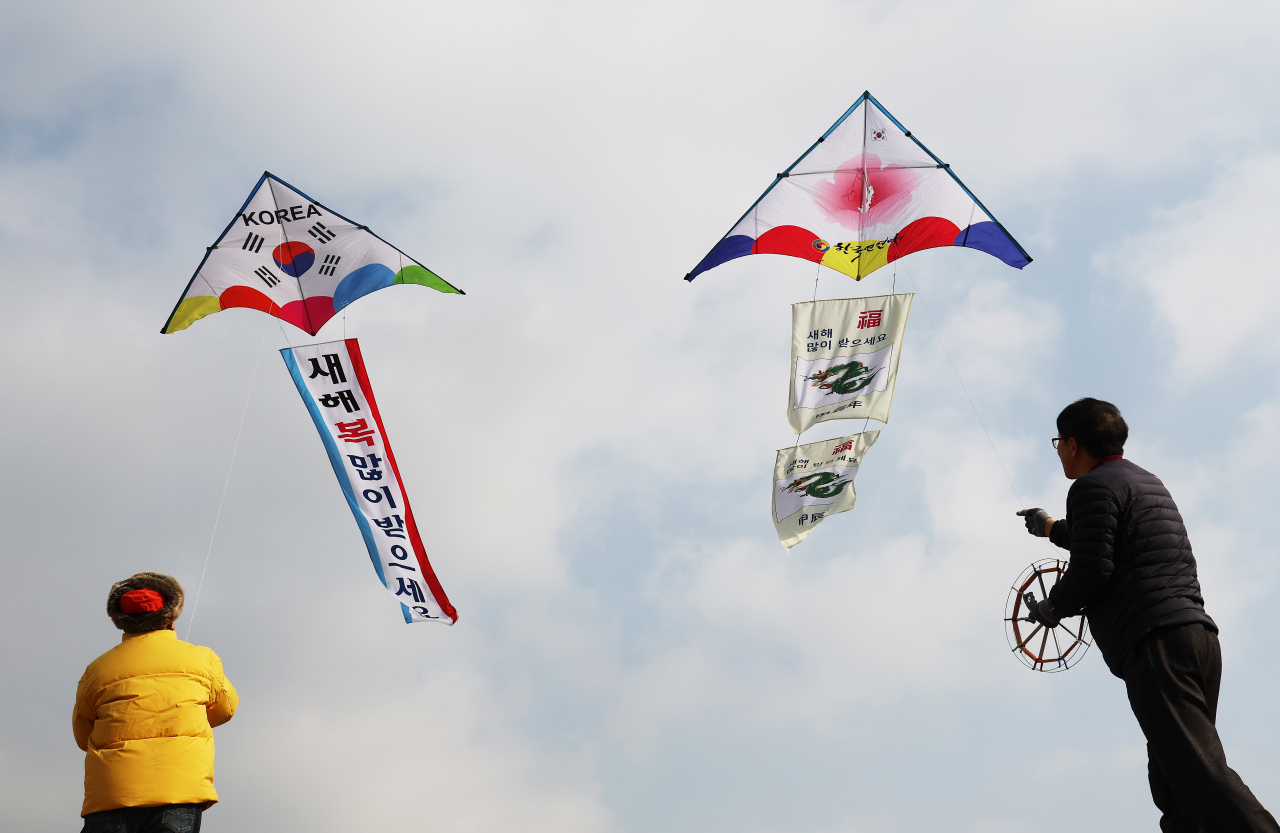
(192, 310)
(857, 260)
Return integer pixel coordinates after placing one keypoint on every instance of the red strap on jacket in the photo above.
(1107, 460)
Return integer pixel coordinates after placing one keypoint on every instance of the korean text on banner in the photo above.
(332, 380)
(844, 358)
(815, 480)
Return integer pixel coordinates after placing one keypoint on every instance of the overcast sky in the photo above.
(588, 440)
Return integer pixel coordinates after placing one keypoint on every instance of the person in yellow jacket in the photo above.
(144, 715)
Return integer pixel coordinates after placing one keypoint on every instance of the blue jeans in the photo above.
(168, 818)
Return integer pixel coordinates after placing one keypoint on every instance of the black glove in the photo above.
(1035, 519)
(1042, 612)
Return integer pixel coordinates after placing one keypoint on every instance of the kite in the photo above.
(844, 358)
(289, 256)
(864, 195)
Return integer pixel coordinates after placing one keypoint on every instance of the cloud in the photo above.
(1206, 266)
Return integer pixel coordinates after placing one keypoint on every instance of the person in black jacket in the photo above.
(1132, 573)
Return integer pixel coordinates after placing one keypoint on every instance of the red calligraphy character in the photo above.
(356, 431)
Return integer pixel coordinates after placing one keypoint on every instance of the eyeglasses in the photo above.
(1055, 441)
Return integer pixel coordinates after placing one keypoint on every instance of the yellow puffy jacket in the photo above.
(144, 714)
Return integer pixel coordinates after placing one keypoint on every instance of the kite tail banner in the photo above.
(815, 480)
(332, 381)
(844, 358)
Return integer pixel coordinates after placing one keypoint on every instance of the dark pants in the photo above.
(168, 818)
(1172, 678)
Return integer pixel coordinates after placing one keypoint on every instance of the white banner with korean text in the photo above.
(332, 381)
(815, 480)
(844, 358)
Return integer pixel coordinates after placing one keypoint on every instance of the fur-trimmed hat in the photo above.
(154, 620)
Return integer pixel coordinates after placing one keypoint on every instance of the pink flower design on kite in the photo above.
(857, 201)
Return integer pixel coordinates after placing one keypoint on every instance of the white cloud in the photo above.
(1208, 267)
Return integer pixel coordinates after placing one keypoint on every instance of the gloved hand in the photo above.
(1035, 519)
(1043, 611)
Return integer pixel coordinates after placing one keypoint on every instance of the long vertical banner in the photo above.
(844, 358)
(333, 384)
(815, 480)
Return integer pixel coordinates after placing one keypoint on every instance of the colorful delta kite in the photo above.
(289, 256)
(867, 193)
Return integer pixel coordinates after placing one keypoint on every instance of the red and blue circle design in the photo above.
(294, 258)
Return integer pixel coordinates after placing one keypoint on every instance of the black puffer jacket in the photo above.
(1131, 567)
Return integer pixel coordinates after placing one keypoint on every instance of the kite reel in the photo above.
(1038, 647)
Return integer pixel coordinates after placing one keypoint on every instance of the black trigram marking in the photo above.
(319, 232)
(330, 264)
(267, 278)
(252, 243)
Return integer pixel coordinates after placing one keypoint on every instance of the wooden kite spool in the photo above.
(1040, 648)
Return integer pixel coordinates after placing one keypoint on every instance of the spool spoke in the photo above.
(1030, 637)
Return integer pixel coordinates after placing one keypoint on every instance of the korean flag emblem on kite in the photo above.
(289, 256)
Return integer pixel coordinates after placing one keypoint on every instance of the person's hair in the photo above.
(146, 621)
(1096, 425)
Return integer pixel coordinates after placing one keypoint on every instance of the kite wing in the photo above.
(289, 256)
(865, 194)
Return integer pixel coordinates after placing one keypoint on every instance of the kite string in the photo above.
(225, 483)
(956, 370)
(816, 276)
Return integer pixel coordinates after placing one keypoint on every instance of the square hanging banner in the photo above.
(815, 480)
(332, 380)
(844, 358)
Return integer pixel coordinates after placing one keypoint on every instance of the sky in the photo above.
(588, 440)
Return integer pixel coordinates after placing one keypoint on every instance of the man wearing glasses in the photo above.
(1132, 573)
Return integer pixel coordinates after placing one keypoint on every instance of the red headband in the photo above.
(141, 601)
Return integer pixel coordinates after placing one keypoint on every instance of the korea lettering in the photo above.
(332, 381)
(844, 358)
(815, 480)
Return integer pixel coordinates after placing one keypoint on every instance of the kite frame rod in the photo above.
(894, 168)
(252, 194)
